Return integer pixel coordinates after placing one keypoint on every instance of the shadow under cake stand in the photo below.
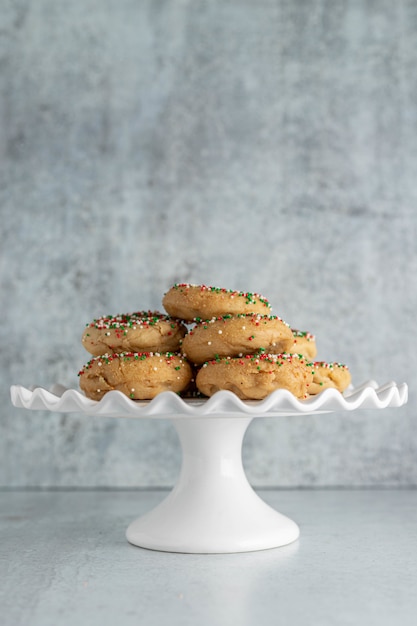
(212, 508)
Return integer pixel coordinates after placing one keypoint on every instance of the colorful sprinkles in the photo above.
(304, 334)
(330, 366)
(254, 318)
(260, 357)
(139, 319)
(250, 298)
(167, 357)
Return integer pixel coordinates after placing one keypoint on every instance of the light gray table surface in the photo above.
(65, 560)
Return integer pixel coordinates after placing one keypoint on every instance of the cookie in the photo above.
(139, 375)
(189, 302)
(304, 343)
(329, 375)
(253, 377)
(143, 331)
(236, 335)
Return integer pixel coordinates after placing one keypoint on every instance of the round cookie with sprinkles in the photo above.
(329, 375)
(139, 375)
(304, 343)
(253, 377)
(143, 331)
(189, 302)
(236, 335)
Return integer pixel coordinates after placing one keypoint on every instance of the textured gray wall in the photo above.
(266, 146)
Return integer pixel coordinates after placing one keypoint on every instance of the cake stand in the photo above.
(212, 508)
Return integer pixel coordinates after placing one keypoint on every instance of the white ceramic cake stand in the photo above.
(212, 508)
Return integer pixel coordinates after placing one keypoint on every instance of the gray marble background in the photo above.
(265, 146)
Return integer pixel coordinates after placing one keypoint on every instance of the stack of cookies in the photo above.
(211, 339)
(137, 354)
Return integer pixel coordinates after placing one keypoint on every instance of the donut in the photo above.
(139, 375)
(304, 343)
(143, 331)
(329, 375)
(253, 377)
(236, 335)
(189, 302)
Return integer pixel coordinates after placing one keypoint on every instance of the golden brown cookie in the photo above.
(253, 377)
(189, 302)
(304, 343)
(329, 375)
(139, 375)
(236, 335)
(143, 331)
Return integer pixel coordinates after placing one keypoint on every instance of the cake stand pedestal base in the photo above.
(212, 508)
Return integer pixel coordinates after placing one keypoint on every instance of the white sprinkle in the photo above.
(100, 363)
(155, 368)
(243, 327)
(220, 332)
(209, 343)
(108, 334)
